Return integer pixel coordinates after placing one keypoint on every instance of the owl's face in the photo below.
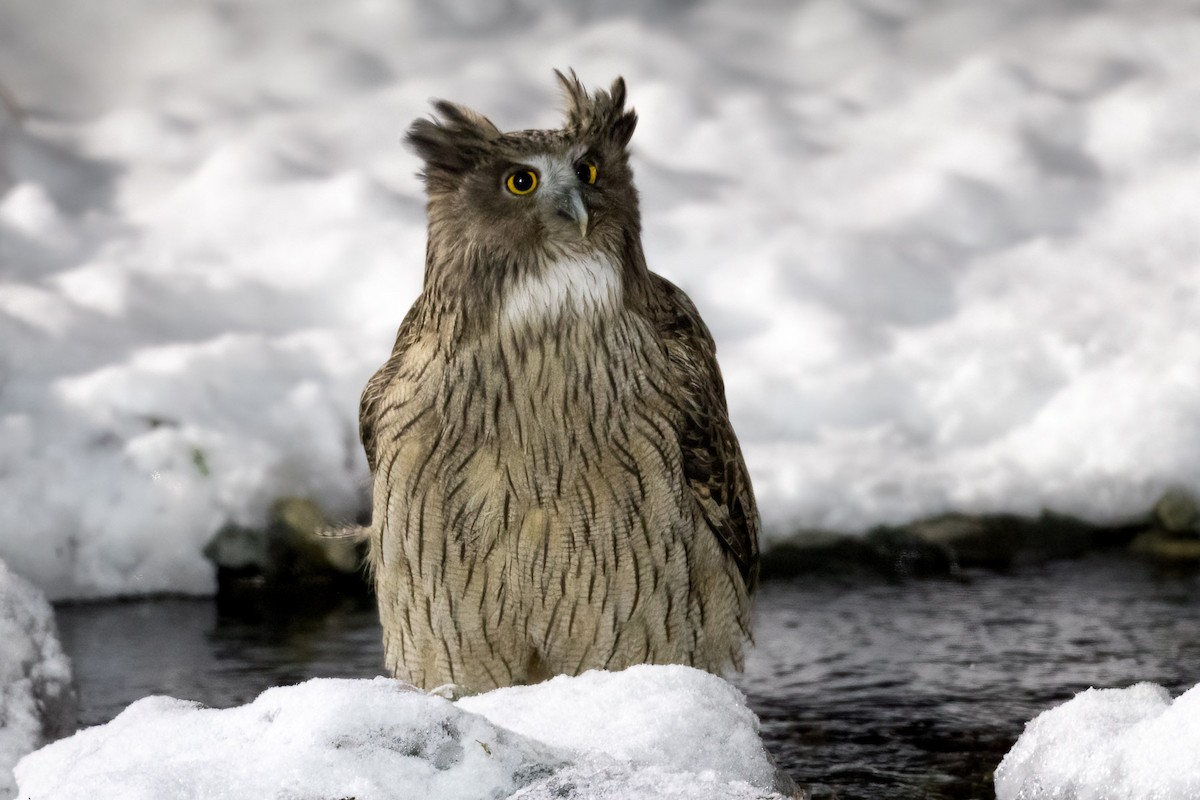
(508, 209)
(541, 196)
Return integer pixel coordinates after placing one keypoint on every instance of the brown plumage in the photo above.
(556, 484)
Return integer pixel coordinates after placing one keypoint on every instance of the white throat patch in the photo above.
(580, 285)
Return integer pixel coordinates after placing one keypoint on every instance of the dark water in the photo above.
(866, 689)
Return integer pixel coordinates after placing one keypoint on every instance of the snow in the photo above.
(948, 250)
(1132, 743)
(36, 693)
(679, 717)
(377, 739)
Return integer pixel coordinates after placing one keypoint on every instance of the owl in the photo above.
(556, 485)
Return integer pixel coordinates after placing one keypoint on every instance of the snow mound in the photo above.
(717, 733)
(382, 739)
(37, 698)
(1133, 744)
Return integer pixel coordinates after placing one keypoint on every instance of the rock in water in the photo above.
(1176, 512)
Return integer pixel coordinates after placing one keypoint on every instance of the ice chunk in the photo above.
(1133, 744)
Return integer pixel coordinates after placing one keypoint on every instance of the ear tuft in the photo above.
(466, 119)
(454, 140)
(576, 97)
(618, 92)
(603, 113)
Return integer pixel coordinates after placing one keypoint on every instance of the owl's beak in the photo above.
(571, 206)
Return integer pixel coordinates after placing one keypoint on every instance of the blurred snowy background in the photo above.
(949, 250)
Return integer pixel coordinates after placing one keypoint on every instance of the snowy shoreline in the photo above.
(946, 252)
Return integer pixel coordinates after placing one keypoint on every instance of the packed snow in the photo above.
(37, 696)
(378, 739)
(1134, 743)
(948, 249)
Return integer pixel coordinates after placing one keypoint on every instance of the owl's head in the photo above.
(503, 206)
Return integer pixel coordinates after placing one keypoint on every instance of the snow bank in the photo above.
(948, 250)
(377, 739)
(37, 699)
(1135, 744)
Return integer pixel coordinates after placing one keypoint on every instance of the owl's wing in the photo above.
(712, 458)
(370, 405)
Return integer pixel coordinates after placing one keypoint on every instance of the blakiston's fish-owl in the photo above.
(557, 487)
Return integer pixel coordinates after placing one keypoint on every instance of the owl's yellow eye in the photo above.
(522, 182)
(586, 172)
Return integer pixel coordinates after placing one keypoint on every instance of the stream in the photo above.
(866, 688)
